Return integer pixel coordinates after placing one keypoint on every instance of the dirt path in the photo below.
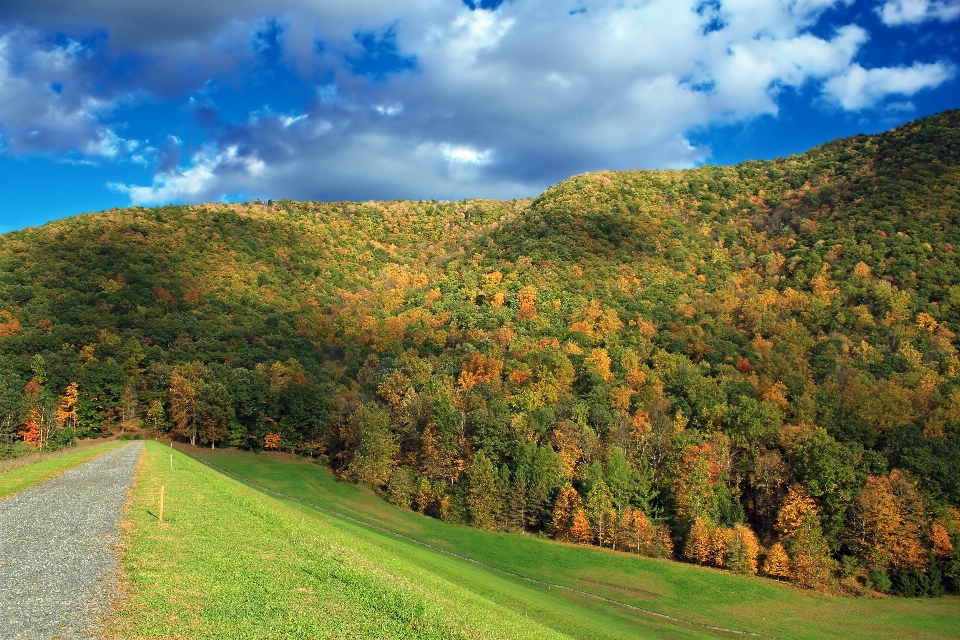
(57, 541)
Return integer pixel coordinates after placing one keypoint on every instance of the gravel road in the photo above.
(57, 548)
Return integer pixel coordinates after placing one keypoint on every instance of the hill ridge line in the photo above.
(589, 594)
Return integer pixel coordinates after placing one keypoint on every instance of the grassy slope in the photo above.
(21, 478)
(702, 595)
(231, 562)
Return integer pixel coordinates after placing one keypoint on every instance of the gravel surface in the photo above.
(57, 548)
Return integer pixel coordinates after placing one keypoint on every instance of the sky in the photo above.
(114, 103)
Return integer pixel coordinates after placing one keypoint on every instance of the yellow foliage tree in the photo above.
(777, 563)
(698, 545)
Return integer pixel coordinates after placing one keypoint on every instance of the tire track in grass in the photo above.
(551, 585)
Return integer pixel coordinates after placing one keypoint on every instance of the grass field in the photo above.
(231, 562)
(695, 594)
(23, 477)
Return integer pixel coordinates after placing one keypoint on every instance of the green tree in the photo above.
(484, 504)
(369, 446)
(600, 512)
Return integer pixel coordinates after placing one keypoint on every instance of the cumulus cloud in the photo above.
(49, 102)
(206, 172)
(899, 12)
(858, 88)
(415, 99)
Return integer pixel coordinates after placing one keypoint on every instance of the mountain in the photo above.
(718, 359)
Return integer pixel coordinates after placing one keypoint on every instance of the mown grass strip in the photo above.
(16, 480)
(704, 595)
(552, 585)
(231, 562)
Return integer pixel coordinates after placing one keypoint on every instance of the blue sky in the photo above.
(112, 103)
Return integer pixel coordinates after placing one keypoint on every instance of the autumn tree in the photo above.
(634, 528)
(777, 563)
(184, 382)
(527, 298)
(741, 550)
(580, 531)
(798, 523)
(909, 550)
(719, 542)
(271, 441)
(874, 523)
(30, 432)
(567, 505)
(67, 408)
(940, 541)
(697, 549)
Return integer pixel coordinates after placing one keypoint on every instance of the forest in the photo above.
(751, 367)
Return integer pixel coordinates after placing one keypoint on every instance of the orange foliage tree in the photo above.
(698, 545)
(567, 505)
(67, 408)
(581, 531)
(798, 523)
(777, 563)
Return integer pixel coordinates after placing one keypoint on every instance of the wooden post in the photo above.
(171, 462)
(161, 504)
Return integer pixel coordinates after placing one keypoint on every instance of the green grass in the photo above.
(21, 478)
(691, 593)
(232, 562)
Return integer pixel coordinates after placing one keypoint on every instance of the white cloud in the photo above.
(859, 88)
(899, 12)
(502, 103)
(200, 180)
(462, 154)
(289, 120)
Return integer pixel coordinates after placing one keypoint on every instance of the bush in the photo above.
(879, 580)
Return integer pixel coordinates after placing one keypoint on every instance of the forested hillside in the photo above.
(752, 367)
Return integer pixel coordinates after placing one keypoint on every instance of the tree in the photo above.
(483, 500)
(634, 528)
(400, 487)
(908, 548)
(213, 412)
(940, 541)
(697, 548)
(155, 413)
(580, 530)
(831, 472)
(369, 446)
(566, 507)
(600, 511)
(271, 441)
(874, 523)
(31, 433)
(694, 486)
(742, 550)
(719, 543)
(185, 380)
(798, 523)
(777, 563)
(621, 478)
(67, 408)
